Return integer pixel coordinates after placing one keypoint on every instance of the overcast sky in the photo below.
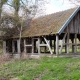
(58, 5)
(51, 7)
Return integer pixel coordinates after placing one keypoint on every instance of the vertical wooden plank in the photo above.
(72, 27)
(13, 46)
(25, 46)
(4, 47)
(78, 23)
(72, 45)
(75, 41)
(54, 47)
(57, 44)
(18, 46)
(32, 45)
(38, 46)
(67, 43)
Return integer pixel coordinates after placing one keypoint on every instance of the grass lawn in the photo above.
(41, 69)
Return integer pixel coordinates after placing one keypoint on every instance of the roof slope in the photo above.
(49, 24)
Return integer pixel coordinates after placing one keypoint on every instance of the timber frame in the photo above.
(67, 38)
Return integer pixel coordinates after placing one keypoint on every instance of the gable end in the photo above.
(68, 21)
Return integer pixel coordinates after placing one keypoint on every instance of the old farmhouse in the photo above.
(51, 33)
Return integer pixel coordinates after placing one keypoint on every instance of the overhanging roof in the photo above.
(50, 24)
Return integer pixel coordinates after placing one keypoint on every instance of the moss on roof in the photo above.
(49, 24)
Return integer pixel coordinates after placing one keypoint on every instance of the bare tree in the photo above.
(2, 2)
(24, 10)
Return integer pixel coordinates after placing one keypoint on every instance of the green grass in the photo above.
(44, 69)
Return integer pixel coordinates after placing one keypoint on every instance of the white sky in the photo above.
(51, 7)
(58, 5)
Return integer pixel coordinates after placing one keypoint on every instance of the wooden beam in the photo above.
(32, 45)
(18, 46)
(57, 44)
(62, 43)
(38, 46)
(13, 46)
(54, 47)
(67, 43)
(48, 45)
(65, 46)
(42, 45)
(4, 47)
(75, 41)
(25, 46)
(72, 45)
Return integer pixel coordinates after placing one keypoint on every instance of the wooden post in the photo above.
(72, 45)
(32, 45)
(48, 45)
(57, 44)
(18, 46)
(4, 47)
(75, 41)
(67, 43)
(25, 46)
(38, 46)
(62, 43)
(13, 46)
(54, 47)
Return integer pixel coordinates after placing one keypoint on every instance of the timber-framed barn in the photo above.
(51, 33)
